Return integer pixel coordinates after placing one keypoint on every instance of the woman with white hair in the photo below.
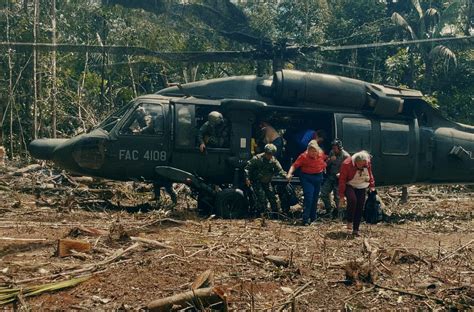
(354, 179)
(312, 164)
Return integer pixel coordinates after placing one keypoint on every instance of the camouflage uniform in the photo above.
(214, 135)
(168, 188)
(332, 181)
(260, 171)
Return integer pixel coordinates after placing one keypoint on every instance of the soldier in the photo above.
(331, 184)
(259, 172)
(143, 121)
(168, 188)
(214, 132)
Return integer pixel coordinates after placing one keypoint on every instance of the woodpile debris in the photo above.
(161, 259)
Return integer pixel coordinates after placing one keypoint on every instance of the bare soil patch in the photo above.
(420, 256)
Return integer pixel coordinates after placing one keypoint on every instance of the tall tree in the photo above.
(53, 69)
(35, 67)
(429, 25)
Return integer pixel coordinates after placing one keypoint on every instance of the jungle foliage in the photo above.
(81, 88)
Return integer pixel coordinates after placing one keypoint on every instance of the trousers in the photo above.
(311, 186)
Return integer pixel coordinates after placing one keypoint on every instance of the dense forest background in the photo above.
(49, 93)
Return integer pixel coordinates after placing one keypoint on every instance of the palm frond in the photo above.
(417, 5)
(400, 21)
(444, 54)
(431, 20)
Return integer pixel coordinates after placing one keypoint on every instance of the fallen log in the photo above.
(26, 169)
(277, 260)
(88, 231)
(199, 298)
(150, 242)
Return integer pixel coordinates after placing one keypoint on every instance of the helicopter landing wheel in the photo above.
(205, 204)
(231, 203)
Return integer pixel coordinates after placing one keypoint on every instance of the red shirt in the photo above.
(311, 165)
(347, 173)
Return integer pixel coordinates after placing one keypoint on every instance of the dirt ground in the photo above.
(419, 257)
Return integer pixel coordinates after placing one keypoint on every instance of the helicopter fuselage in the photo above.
(411, 143)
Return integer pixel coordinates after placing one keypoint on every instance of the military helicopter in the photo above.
(411, 142)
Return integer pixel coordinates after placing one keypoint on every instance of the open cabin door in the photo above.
(393, 143)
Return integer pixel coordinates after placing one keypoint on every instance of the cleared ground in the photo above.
(421, 256)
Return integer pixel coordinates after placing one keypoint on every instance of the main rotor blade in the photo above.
(394, 43)
(199, 56)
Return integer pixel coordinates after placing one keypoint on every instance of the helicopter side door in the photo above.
(391, 142)
(212, 164)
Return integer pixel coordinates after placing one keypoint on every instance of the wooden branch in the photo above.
(406, 292)
(23, 239)
(205, 297)
(293, 296)
(150, 242)
(457, 250)
(277, 260)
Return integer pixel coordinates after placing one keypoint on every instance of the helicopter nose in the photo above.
(44, 148)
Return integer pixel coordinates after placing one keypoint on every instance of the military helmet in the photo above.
(270, 149)
(215, 118)
(337, 143)
(141, 110)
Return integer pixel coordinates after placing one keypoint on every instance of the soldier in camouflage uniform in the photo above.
(214, 132)
(168, 186)
(259, 172)
(331, 183)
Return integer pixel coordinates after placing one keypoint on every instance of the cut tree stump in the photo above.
(200, 298)
(65, 247)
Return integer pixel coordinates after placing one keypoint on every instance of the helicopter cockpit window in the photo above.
(185, 126)
(112, 119)
(395, 138)
(356, 134)
(147, 119)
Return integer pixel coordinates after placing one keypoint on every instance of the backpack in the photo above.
(289, 195)
(372, 208)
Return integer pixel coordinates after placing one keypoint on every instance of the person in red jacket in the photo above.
(355, 176)
(312, 164)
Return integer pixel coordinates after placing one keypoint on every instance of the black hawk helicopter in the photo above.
(411, 142)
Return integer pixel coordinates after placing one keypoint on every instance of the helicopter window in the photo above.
(356, 134)
(185, 128)
(112, 119)
(147, 119)
(395, 138)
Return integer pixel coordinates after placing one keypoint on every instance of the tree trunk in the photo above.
(35, 77)
(467, 16)
(11, 98)
(135, 94)
(53, 76)
(80, 90)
